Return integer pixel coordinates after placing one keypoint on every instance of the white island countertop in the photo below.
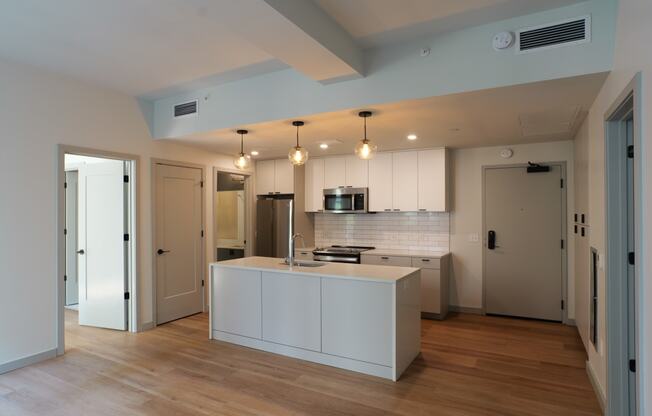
(373, 273)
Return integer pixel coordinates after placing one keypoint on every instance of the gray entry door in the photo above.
(178, 251)
(523, 272)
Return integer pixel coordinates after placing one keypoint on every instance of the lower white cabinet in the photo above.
(356, 321)
(230, 314)
(291, 310)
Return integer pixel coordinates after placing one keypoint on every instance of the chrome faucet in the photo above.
(290, 259)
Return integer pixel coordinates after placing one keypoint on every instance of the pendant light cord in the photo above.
(365, 129)
(297, 136)
(241, 143)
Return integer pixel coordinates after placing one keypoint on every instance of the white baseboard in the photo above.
(29, 360)
(147, 326)
(570, 322)
(464, 309)
(597, 388)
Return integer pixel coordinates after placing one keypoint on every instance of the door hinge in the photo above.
(201, 184)
(632, 365)
(125, 178)
(630, 151)
(126, 237)
(126, 295)
(631, 258)
(562, 304)
(65, 231)
(202, 282)
(65, 185)
(65, 278)
(562, 182)
(202, 233)
(562, 244)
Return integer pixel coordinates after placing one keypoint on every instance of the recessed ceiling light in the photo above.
(254, 153)
(412, 136)
(324, 146)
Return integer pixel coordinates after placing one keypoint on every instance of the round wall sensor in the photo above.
(503, 40)
(506, 153)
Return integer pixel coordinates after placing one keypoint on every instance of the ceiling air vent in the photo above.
(569, 32)
(185, 109)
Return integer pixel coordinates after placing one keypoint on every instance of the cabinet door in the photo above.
(292, 310)
(356, 172)
(380, 182)
(432, 180)
(314, 185)
(265, 177)
(357, 320)
(284, 177)
(334, 172)
(405, 180)
(230, 313)
(430, 291)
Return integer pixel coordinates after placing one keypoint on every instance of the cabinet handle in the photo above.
(396, 209)
(422, 209)
(384, 258)
(270, 193)
(388, 209)
(426, 260)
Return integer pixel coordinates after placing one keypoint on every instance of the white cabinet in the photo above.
(386, 260)
(229, 313)
(274, 177)
(432, 180)
(356, 320)
(314, 185)
(405, 181)
(265, 173)
(334, 172)
(291, 310)
(356, 172)
(434, 285)
(380, 183)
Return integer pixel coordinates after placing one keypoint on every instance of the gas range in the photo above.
(340, 254)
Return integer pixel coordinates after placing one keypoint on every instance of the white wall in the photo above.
(466, 214)
(632, 55)
(39, 110)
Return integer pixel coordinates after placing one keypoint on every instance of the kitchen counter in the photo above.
(363, 318)
(407, 253)
(363, 272)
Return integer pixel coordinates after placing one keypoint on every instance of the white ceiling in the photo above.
(530, 113)
(150, 48)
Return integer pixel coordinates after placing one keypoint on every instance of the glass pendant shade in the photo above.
(365, 149)
(241, 160)
(298, 155)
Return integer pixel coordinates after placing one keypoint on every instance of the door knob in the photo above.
(161, 251)
(82, 252)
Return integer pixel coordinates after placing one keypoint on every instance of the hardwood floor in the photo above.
(469, 365)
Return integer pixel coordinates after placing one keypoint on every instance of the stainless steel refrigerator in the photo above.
(274, 223)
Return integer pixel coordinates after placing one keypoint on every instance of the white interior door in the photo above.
(71, 276)
(179, 225)
(523, 263)
(102, 254)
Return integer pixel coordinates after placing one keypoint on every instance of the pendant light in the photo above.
(298, 155)
(365, 149)
(241, 161)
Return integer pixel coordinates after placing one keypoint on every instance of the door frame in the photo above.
(154, 162)
(248, 209)
(616, 287)
(564, 232)
(134, 246)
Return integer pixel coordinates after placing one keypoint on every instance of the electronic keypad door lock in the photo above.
(491, 240)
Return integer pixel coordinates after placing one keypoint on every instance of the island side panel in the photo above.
(237, 302)
(357, 320)
(408, 322)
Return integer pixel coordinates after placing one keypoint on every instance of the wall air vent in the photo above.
(569, 32)
(185, 109)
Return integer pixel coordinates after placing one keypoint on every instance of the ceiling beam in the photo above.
(299, 33)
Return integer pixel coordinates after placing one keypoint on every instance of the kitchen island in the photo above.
(364, 318)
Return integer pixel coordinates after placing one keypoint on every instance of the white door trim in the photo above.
(154, 162)
(60, 175)
(564, 221)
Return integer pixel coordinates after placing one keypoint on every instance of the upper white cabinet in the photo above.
(274, 177)
(356, 172)
(405, 177)
(314, 185)
(432, 180)
(334, 172)
(380, 183)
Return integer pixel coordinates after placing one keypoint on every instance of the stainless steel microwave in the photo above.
(344, 200)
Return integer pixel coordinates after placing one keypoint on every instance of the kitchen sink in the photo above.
(304, 263)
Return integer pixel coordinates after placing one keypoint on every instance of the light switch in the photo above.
(474, 237)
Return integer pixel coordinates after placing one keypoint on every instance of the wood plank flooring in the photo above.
(469, 365)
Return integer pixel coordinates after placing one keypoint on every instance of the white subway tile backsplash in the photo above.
(398, 231)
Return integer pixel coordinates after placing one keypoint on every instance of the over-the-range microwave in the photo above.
(345, 200)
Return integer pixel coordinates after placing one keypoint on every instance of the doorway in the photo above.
(524, 251)
(231, 210)
(623, 214)
(97, 244)
(178, 240)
